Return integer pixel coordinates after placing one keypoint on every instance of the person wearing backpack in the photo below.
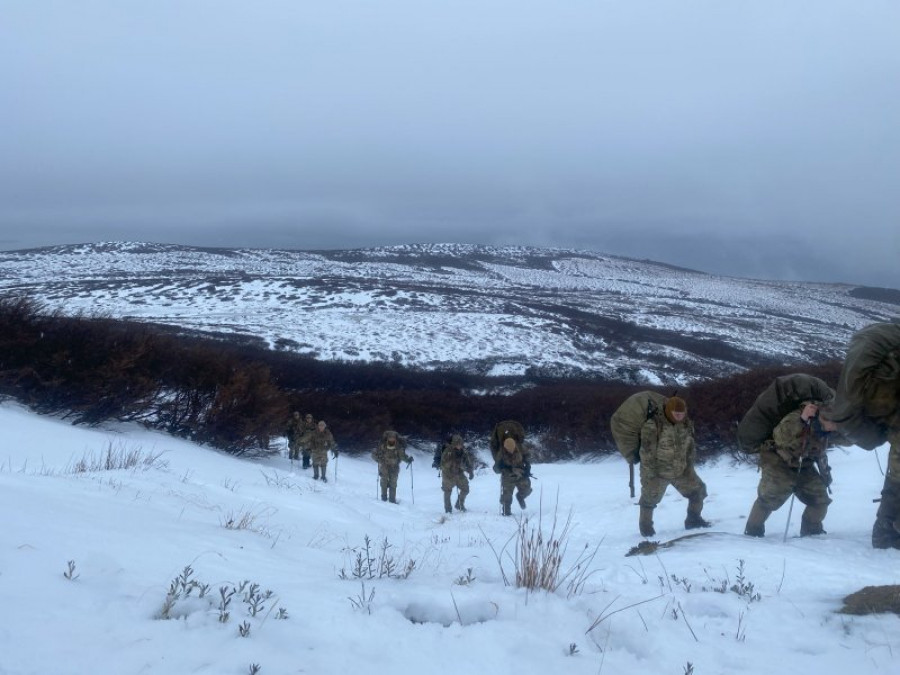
(788, 463)
(389, 453)
(667, 455)
(867, 409)
(455, 463)
(512, 460)
(318, 442)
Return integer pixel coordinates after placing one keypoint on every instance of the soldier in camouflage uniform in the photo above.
(788, 465)
(294, 432)
(389, 453)
(456, 462)
(308, 425)
(512, 460)
(667, 456)
(867, 408)
(318, 442)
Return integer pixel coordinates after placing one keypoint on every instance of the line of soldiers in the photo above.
(864, 410)
(312, 441)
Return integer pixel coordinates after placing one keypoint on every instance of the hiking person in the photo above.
(512, 460)
(318, 442)
(788, 463)
(294, 432)
(456, 463)
(867, 409)
(389, 453)
(309, 424)
(667, 455)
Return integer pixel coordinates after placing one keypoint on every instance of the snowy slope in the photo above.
(130, 533)
(489, 310)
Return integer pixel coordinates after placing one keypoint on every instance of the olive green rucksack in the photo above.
(784, 395)
(504, 430)
(867, 403)
(627, 420)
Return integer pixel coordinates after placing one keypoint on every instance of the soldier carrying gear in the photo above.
(513, 462)
(667, 455)
(308, 425)
(389, 453)
(293, 433)
(867, 408)
(456, 462)
(789, 463)
(319, 441)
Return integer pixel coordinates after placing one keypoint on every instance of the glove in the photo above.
(334, 454)
(408, 460)
(471, 474)
(435, 464)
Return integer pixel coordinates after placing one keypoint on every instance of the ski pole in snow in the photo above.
(788, 523)
(336, 457)
(412, 482)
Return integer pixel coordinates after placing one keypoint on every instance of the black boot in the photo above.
(521, 500)
(884, 532)
(447, 507)
(811, 520)
(756, 521)
(645, 522)
(507, 508)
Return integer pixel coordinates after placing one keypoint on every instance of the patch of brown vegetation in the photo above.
(873, 600)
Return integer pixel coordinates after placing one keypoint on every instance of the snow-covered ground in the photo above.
(130, 532)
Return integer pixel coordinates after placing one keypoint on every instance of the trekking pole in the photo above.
(335, 466)
(412, 483)
(788, 523)
(793, 492)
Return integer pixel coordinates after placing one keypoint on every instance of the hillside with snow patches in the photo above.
(487, 310)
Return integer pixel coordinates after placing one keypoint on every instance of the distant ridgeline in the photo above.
(238, 396)
(889, 295)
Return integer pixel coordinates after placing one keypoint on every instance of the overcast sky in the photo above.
(757, 138)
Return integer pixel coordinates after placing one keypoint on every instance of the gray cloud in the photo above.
(756, 139)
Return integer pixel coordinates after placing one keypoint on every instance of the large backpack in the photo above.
(867, 402)
(504, 430)
(627, 420)
(784, 395)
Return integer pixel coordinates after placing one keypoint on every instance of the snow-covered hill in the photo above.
(718, 603)
(497, 311)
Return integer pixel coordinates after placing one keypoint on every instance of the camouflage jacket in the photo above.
(318, 442)
(295, 429)
(390, 457)
(667, 449)
(795, 440)
(455, 461)
(516, 464)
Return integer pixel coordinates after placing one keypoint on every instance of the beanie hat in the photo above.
(674, 404)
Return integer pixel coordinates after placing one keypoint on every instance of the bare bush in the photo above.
(118, 456)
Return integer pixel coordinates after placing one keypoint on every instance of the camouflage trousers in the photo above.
(388, 476)
(293, 449)
(779, 481)
(653, 487)
(511, 481)
(458, 481)
(888, 516)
